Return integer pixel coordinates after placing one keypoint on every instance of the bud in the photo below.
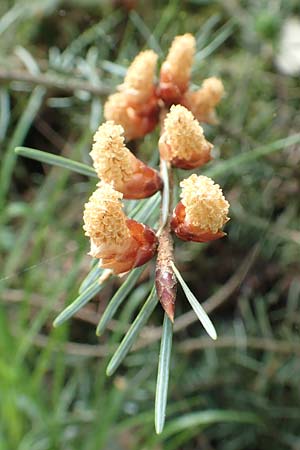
(115, 164)
(183, 142)
(176, 70)
(120, 243)
(202, 103)
(136, 124)
(202, 211)
(104, 219)
(135, 107)
(139, 81)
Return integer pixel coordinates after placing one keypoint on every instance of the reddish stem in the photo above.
(165, 280)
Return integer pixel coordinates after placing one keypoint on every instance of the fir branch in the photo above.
(52, 82)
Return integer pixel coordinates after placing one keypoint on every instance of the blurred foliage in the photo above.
(53, 389)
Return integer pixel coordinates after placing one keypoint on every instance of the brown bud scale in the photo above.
(189, 232)
(165, 280)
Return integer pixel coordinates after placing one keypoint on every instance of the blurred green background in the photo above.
(56, 57)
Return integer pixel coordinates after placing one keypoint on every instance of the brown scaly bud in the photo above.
(182, 141)
(202, 103)
(165, 280)
(176, 70)
(115, 164)
(202, 211)
(135, 107)
(120, 243)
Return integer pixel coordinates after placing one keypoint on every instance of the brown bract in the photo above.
(120, 244)
(183, 142)
(144, 182)
(115, 164)
(188, 232)
(136, 251)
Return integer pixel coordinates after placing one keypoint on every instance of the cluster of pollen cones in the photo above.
(137, 104)
(120, 243)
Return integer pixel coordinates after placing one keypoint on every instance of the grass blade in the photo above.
(78, 303)
(134, 206)
(11, 16)
(93, 275)
(56, 160)
(92, 34)
(201, 314)
(163, 374)
(206, 29)
(224, 34)
(20, 131)
(118, 298)
(148, 210)
(133, 332)
(205, 418)
(4, 112)
(251, 155)
(145, 32)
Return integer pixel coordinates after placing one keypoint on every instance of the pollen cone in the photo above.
(202, 103)
(120, 244)
(183, 142)
(176, 70)
(135, 106)
(115, 164)
(136, 122)
(202, 211)
(138, 84)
